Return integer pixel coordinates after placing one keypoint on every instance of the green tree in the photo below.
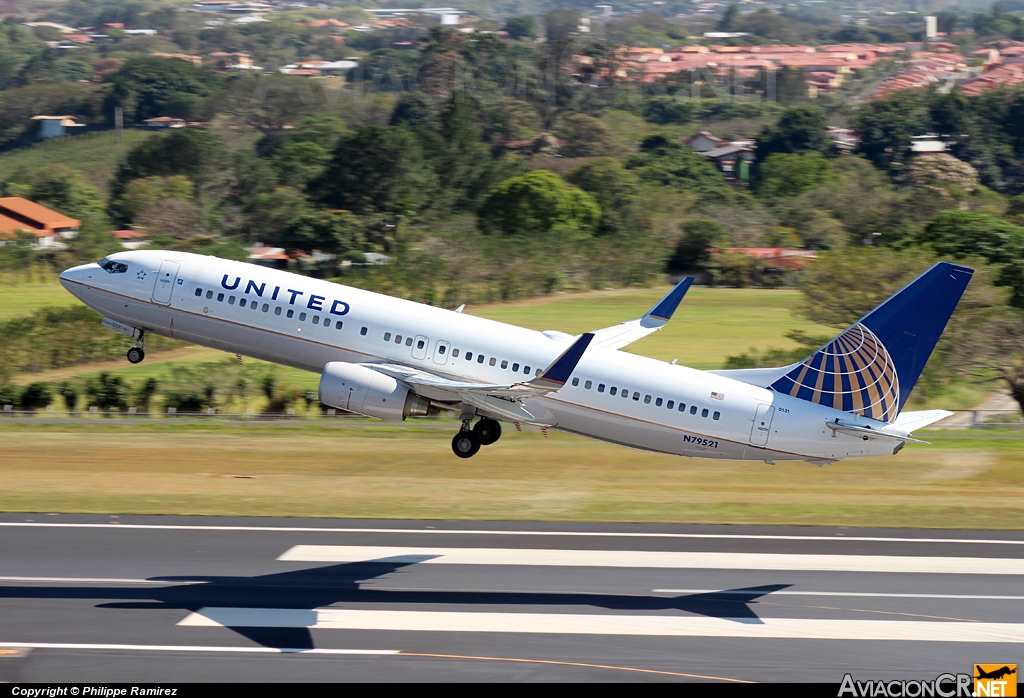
(144, 394)
(69, 395)
(788, 174)
(524, 27)
(587, 136)
(108, 392)
(36, 396)
(728, 21)
(539, 203)
(148, 87)
(663, 160)
(616, 190)
(886, 127)
(299, 162)
(799, 130)
(693, 251)
(377, 169)
(561, 24)
(961, 234)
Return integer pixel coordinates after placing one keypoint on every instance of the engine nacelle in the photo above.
(365, 391)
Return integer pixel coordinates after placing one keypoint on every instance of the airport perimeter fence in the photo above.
(961, 419)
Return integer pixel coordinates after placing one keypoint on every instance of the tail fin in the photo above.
(871, 368)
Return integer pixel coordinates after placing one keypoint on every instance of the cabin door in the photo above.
(762, 425)
(165, 280)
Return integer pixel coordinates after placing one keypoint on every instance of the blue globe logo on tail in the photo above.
(853, 373)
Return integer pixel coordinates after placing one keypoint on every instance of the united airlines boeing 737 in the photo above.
(393, 359)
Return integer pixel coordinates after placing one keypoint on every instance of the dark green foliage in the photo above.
(148, 87)
(19, 104)
(108, 392)
(693, 249)
(778, 357)
(524, 27)
(960, 234)
(799, 130)
(784, 175)
(681, 108)
(616, 190)
(886, 127)
(377, 169)
(539, 203)
(663, 160)
(561, 24)
(69, 395)
(185, 400)
(9, 394)
(144, 393)
(36, 396)
(56, 337)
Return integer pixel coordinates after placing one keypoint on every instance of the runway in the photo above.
(178, 599)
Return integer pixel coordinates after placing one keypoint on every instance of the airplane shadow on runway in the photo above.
(318, 587)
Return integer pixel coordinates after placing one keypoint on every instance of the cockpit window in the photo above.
(112, 267)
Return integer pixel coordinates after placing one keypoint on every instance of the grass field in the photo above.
(95, 155)
(963, 481)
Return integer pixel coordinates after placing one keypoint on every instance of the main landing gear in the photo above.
(136, 354)
(469, 440)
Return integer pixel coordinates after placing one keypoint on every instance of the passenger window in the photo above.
(420, 344)
(231, 300)
(316, 319)
(515, 367)
(362, 331)
(526, 369)
(682, 407)
(693, 409)
(670, 404)
(398, 339)
(704, 412)
(536, 372)
(241, 302)
(455, 353)
(277, 310)
(716, 415)
(220, 297)
(266, 307)
(209, 294)
(504, 364)
(600, 388)
(588, 384)
(612, 390)
(253, 305)
(338, 324)
(469, 356)
(647, 399)
(302, 317)
(492, 361)
(290, 313)
(408, 341)
(625, 394)
(657, 403)
(199, 292)
(479, 358)
(440, 349)
(575, 381)
(387, 336)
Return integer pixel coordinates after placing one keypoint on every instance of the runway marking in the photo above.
(579, 664)
(868, 594)
(541, 557)
(92, 580)
(485, 532)
(185, 648)
(607, 624)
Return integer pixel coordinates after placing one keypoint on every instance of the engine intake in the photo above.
(364, 391)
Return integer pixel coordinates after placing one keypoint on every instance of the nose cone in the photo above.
(73, 277)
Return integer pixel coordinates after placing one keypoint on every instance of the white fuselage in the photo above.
(306, 323)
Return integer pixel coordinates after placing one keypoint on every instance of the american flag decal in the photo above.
(853, 373)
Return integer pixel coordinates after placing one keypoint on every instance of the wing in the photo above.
(504, 399)
(623, 334)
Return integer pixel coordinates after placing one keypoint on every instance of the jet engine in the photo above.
(362, 390)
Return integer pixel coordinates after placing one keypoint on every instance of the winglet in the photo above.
(561, 368)
(662, 312)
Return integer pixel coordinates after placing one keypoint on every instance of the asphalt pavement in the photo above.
(177, 599)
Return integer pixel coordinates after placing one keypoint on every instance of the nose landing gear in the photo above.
(469, 439)
(136, 354)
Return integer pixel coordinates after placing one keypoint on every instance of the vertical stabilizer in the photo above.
(871, 368)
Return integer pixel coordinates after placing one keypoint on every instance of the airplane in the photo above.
(393, 359)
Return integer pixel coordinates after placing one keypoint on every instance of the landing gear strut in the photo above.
(136, 354)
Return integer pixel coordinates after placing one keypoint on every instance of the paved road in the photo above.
(164, 599)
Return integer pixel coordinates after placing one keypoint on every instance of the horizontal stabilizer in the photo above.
(624, 334)
(911, 421)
